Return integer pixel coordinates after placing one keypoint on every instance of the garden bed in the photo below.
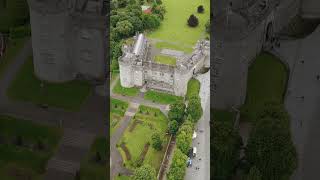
(151, 120)
(25, 148)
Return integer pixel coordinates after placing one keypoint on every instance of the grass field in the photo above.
(13, 47)
(118, 89)
(26, 87)
(26, 159)
(166, 45)
(151, 120)
(91, 169)
(165, 60)
(162, 98)
(267, 80)
(174, 26)
(193, 88)
(118, 109)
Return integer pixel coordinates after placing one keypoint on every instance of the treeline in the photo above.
(127, 19)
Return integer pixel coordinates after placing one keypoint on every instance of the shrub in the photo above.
(194, 108)
(200, 9)
(178, 166)
(193, 21)
(145, 172)
(177, 111)
(156, 141)
(173, 127)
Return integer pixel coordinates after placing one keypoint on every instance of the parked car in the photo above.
(194, 151)
(194, 135)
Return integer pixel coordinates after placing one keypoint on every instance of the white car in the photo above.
(194, 135)
(194, 151)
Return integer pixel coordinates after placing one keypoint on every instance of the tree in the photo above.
(187, 126)
(159, 10)
(270, 147)
(124, 28)
(225, 145)
(178, 166)
(158, 1)
(145, 172)
(254, 174)
(137, 23)
(194, 108)
(193, 21)
(141, 2)
(150, 21)
(184, 141)
(200, 9)
(173, 127)
(156, 141)
(177, 111)
(122, 3)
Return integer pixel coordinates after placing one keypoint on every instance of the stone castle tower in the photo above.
(68, 39)
(242, 29)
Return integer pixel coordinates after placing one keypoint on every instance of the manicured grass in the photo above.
(118, 89)
(165, 45)
(26, 87)
(165, 60)
(193, 88)
(152, 120)
(27, 158)
(114, 76)
(13, 48)
(174, 26)
(267, 80)
(118, 109)
(162, 98)
(91, 169)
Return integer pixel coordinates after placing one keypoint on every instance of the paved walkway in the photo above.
(202, 160)
(115, 156)
(80, 127)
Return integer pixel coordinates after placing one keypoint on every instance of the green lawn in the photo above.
(193, 88)
(114, 76)
(166, 45)
(267, 80)
(13, 48)
(118, 109)
(165, 60)
(26, 87)
(26, 159)
(118, 89)
(162, 98)
(174, 26)
(91, 169)
(152, 120)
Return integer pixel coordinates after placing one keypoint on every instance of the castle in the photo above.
(138, 68)
(69, 39)
(242, 29)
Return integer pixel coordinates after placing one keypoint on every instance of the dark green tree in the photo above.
(200, 9)
(194, 108)
(156, 142)
(177, 112)
(150, 21)
(193, 21)
(184, 141)
(173, 127)
(124, 28)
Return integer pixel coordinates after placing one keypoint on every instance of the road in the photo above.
(202, 141)
(303, 102)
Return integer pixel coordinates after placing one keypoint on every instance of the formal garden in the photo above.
(27, 87)
(93, 167)
(264, 110)
(145, 139)
(118, 109)
(25, 148)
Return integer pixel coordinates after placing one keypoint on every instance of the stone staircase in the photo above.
(72, 149)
